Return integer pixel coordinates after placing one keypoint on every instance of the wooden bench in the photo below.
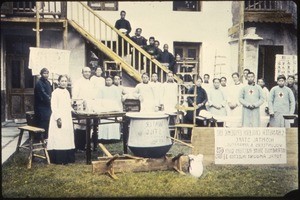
(33, 146)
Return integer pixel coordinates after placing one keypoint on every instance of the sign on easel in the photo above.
(250, 146)
(286, 65)
(55, 60)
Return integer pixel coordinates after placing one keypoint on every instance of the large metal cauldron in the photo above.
(148, 134)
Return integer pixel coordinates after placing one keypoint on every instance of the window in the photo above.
(103, 5)
(187, 5)
(187, 50)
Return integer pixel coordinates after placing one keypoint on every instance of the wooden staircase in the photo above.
(108, 39)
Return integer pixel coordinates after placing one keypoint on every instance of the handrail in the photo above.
(85, 19)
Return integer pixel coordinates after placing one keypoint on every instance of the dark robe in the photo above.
(294, 88)
(167, 57)
(42, 106)
(123, 23)
(152, 50)
(141, 41)
(200, 98)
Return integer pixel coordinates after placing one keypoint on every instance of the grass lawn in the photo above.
(77, 180)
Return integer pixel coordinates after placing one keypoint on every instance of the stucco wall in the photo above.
(158, 19)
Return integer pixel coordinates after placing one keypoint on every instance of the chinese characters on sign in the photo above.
(250, 146)
(286, 65)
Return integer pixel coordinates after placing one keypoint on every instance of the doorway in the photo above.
(19, 79)
(266, 63)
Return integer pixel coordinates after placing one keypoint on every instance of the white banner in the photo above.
(286, 65)
(55, 60)
(250, 146)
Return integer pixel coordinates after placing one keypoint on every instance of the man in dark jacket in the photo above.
(137, 59)
(124, 26)
(42, 101)
(167, 59)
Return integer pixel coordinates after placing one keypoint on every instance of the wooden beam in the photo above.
(125, 164)
(32, 20)
(65, 35)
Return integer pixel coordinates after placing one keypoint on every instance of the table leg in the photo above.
(88, 141)
(95, 134)
(125, 133)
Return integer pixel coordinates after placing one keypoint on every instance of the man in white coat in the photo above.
(157, 89)
(144, 92)
(251, 97)
(281, 101)
(170, 94)
(234, 113)
(83, 89)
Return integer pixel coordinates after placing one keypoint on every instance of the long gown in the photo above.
(216, 97)
(170, 92)
(251, 95)
(110, 98)
(61, 140)
(158, 92)
(281, 101)
(148, 98)
(234, 116)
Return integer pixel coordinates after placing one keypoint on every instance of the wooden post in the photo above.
(38, 7)
(241, 34)
(65, 34)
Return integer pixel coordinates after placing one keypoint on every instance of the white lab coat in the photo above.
(170, 97)
(145, 93)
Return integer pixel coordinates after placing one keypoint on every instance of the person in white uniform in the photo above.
(111, 100)
(157, 89)
(60, 146)
(281, 101)
(83, 89)
(170, 94)
(97, 80)
(234, 114)
(264, 107)
(144, 92)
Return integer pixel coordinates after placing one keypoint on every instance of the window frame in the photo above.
(197, 9)
(102, 6)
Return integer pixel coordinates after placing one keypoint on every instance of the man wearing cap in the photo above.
(42, 99)
(251, 97)
(281, 101)
(167, 59)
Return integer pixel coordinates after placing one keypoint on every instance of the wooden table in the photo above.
(96, 117)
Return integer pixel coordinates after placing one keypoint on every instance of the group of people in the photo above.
(163, 56)
(244, 104)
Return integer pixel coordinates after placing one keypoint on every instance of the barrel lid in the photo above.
(147, 115)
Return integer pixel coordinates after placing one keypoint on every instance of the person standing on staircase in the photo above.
(42, 101)
(142, 42)
(167, 59)
(124, 26)
(156, 44)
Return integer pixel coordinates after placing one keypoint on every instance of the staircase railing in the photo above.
(113, 42)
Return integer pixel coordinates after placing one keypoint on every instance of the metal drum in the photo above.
(148, 134)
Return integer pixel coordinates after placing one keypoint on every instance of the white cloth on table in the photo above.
(61, 138)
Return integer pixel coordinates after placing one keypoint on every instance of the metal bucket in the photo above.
(148, 134)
